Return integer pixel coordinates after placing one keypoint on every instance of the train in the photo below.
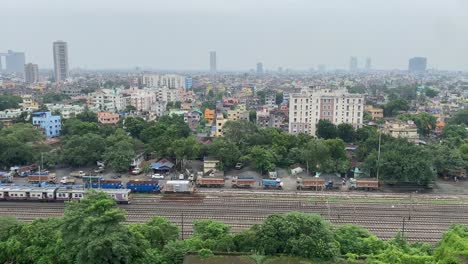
(51, 193)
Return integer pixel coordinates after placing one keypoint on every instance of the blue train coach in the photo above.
(144, 186)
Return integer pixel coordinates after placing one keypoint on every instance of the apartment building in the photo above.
(376, 113)
(239, 113)
(108, 118)
(171, 81)
(50, 124)
(312, 104)
(402, 129)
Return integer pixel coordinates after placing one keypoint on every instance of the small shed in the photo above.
(163, 165)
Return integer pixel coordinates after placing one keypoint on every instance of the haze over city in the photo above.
(178, 35)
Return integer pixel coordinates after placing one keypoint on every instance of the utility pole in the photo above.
(182, 225)
(403, 227)
(378, 154)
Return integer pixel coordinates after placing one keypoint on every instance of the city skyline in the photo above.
(238, 34)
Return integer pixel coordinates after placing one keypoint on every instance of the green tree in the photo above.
(239, 132)
(262, 159)
(14, 152)
(431, 92)
(120, 155)
(92, 232)
(453, 249)
(401, 162)
(460, 118)
(83, 150)
(297, 234)
(225, 151)
(357, 240)
(158, 232)
(54, 97)
(134, 126)
(279, 98)
(446, 159)
(346, 132)
(9, 101)
(74, 126)
(87, 116)
(326, 129)
(23, 132)
(394, 106)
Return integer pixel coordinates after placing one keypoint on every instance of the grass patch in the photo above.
(385, 201)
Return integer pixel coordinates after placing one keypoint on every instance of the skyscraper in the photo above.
(15, 62)
(417, 64)
(368, 64)
(213, 62)
(31, 73)
(60, 61)
(259, 68)
(353, 64)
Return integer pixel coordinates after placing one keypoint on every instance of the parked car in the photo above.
(116, 176)
(136, 171)
(157, 176)
(239, 166)
(99, 170)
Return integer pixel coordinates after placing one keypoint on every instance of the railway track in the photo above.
(419, 220)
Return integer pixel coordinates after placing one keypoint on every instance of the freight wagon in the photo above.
(178, 187)
(310, 184)
(210, 182)
(272, 184)
(243, 182)
(144, 186)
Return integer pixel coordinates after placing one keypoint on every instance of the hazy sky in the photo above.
(178, 34)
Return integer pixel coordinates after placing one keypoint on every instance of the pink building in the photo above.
(108, 118)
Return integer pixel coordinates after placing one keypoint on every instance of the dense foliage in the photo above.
(92, 231)
(9, 101)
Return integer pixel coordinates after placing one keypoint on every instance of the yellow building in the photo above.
(28, 101)
(376, 113)
(220, 121)
(238, 114)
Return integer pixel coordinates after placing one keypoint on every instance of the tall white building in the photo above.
(312, 104)
(60, 61)
(171, 81)
(31, 73)
(212, 62)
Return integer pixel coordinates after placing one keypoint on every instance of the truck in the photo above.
(178, 187)
(67, 180)
(272, 184)
(78, 174)
(210, 182)
(316, 184)
(42, 177)
(243, 182)
(22, 171)
(6, 177)
(367, 185)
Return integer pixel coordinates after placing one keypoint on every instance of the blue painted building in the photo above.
(51, 124)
